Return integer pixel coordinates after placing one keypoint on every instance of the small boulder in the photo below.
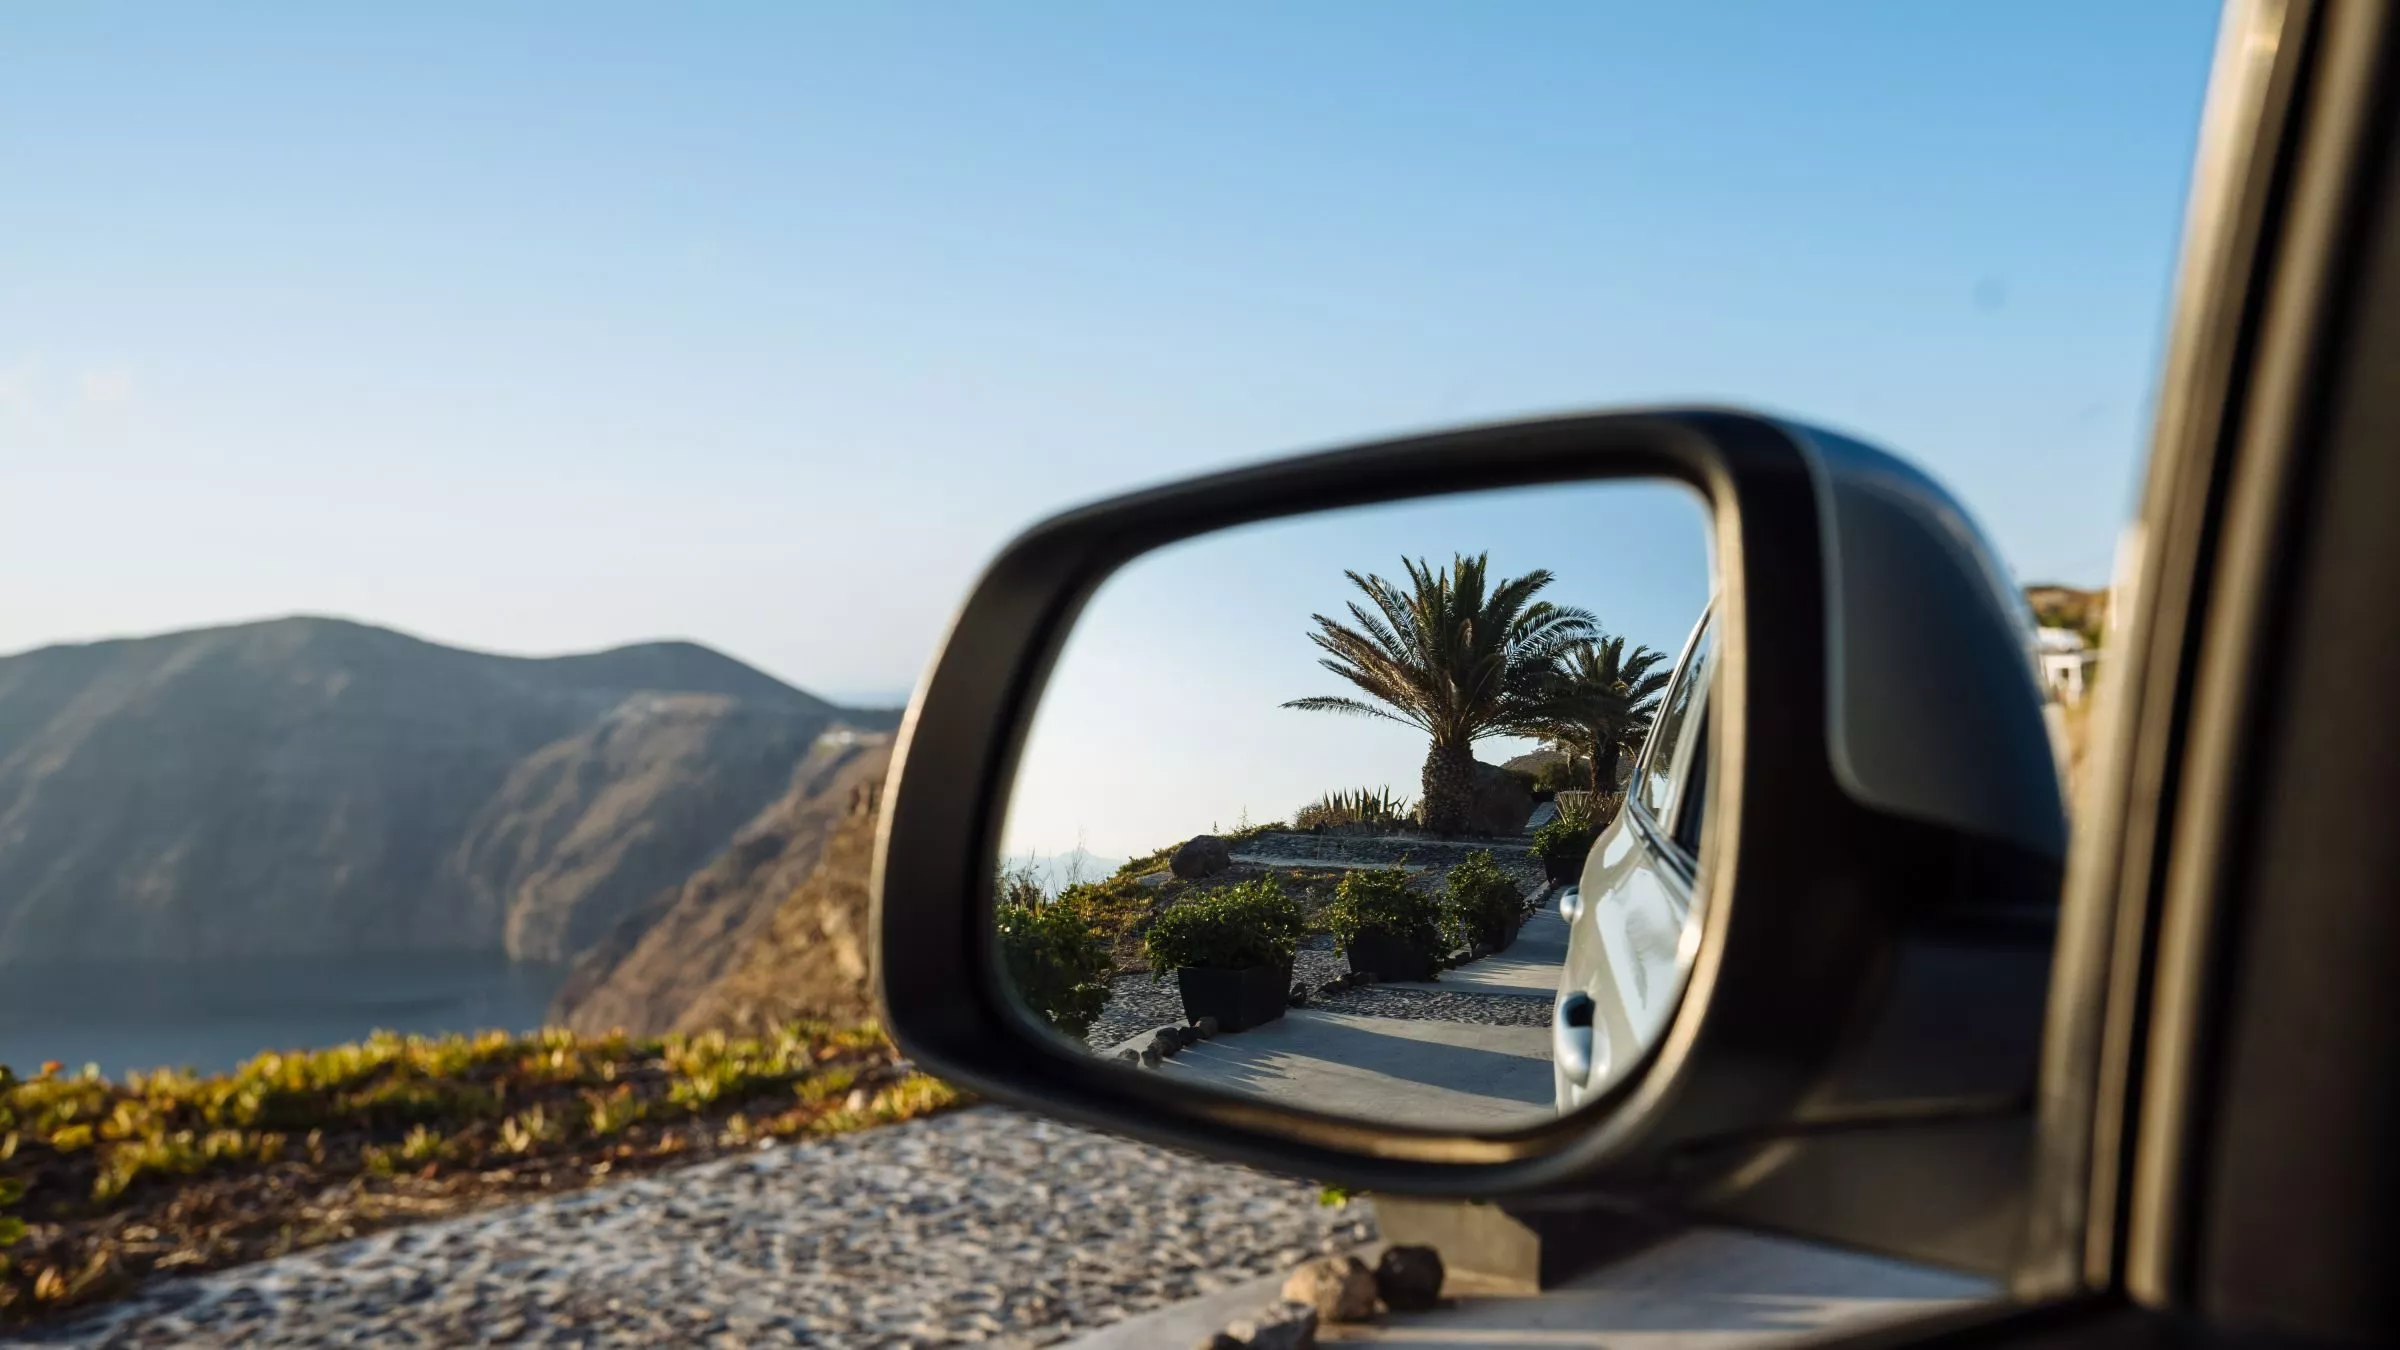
(1286, 1326)
(1333, 986)
(1150, 1055)
(1340, 1288)
(1500, 802)
(1409, 1279)
(1202, 855)
(1167, 1041)
(1299, 996)
(1207, 1026)
(1130, 1055)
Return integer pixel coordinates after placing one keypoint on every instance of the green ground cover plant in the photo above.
(104, 1181)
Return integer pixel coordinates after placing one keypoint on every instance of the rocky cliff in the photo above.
(774, 928)
(312, 786)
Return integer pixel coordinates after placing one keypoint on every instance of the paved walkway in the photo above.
(1454, 1075)
(1528, 969)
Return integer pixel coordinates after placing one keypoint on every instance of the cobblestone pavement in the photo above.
(984, 1225)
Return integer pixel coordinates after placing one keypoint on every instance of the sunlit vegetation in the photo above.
(1380, 900)
(1361, 809)
(103, 1181)
(1237, 927)
(1057, 963)
(1482, 905)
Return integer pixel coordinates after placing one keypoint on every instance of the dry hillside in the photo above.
(772, 929)
(317, 787)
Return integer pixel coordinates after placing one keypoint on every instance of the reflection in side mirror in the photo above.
(1389, 813)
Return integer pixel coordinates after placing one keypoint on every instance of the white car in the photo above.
(1631, 932)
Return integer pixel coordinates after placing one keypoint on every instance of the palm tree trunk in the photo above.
(1604, 768)
(1449, 787)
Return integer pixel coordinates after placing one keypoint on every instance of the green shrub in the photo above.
(1380, 898)
(1562, 844)
(1480, 903)
(1118, 910)
(1236, 928)
(1057, 964)
(1363, 808)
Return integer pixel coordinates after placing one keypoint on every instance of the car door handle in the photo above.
(1570, 903)
(1571, 1037)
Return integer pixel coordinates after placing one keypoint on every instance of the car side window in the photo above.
(1662, 765)
(1695, 792)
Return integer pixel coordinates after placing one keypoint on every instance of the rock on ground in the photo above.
(983, 1225)
(1202, 855)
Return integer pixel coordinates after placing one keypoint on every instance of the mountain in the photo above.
(772, 928)
(314, 786)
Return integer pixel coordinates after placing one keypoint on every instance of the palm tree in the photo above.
(1600, 702)
(1452, 658)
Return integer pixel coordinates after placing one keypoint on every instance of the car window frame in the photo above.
(1657, 826)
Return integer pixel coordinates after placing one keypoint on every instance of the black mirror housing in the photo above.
(1881, 854)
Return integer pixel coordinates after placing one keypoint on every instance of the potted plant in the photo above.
(1386, 929)
(1481, 904)
(1231, 951)
(1561, 843)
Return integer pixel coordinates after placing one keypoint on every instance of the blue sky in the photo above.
(763, 324)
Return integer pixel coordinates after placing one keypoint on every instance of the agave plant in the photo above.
(1373, 808)
(1453, 656)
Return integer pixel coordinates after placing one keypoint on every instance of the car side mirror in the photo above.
(1825, 1020)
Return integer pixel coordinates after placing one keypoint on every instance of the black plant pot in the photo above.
(1386, 957)
(1238, 999)
(1565, 869)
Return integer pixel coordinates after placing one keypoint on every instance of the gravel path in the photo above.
(1444, 1005)
(1352, 850)
(980, 1226)
(1138, 1003)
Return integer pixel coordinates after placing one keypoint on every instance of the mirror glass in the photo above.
(1330, 809)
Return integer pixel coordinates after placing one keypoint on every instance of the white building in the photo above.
(2067, 662)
